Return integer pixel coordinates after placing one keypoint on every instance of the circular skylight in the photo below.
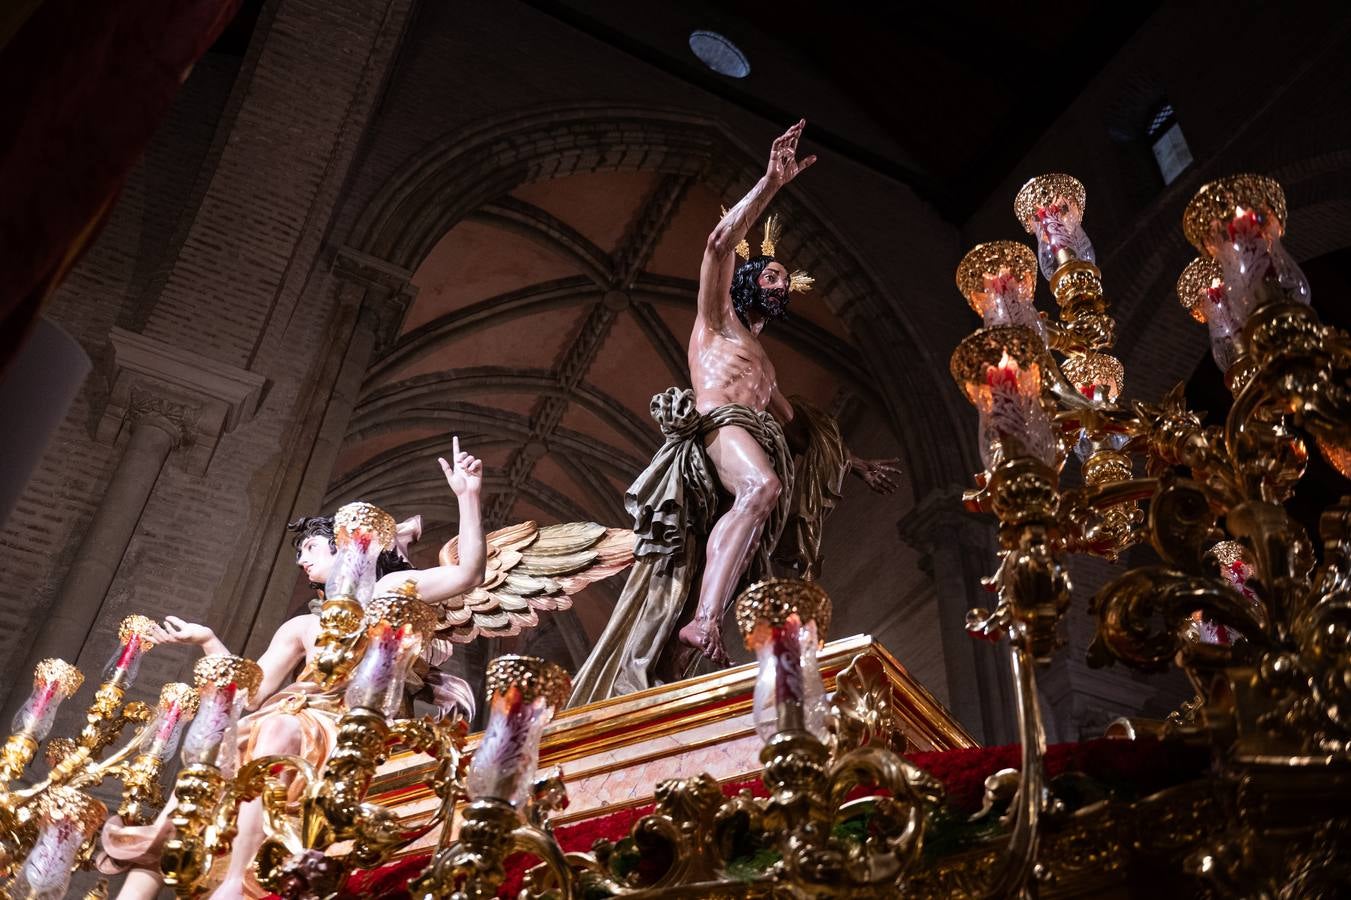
(719, 54)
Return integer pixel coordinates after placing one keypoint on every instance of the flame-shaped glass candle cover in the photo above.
(177, 704)
(361, 532)
(1010, 410)
(133, 636)
(1051, 208)
(54, 680)
(378, 681)
(224, 685)
(1235, 567)
(999, 281)
(398, 624)
(66, 820)
(1239, 221)
(784, 623)
(999, 370)
(1202, 293)
(523, 693)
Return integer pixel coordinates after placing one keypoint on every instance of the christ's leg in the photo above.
(747, 472)
(276, 735)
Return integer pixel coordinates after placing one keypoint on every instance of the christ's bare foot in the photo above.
(700, 635)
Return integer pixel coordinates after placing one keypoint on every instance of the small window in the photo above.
(719, 54)
(1171, 152)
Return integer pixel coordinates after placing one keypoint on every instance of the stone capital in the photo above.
(387, 288)
(194, 398)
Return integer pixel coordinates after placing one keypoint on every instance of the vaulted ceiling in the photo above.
(542, 325)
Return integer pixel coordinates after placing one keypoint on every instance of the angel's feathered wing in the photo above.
(530, 568)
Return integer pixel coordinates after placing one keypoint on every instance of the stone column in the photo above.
(161, 398)
(960, 549)
(153, 434)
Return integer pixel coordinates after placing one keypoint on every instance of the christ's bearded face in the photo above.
(771, 300)
(316, 557)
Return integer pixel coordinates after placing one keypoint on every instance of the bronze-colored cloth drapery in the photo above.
(816, 489)
(674, 503)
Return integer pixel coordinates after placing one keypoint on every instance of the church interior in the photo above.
(385, 350)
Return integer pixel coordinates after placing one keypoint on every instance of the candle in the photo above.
(779, 620)
(523, 693)
(1051, 208)
(54, 681)
(224, 684)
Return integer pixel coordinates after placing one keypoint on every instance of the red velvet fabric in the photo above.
(85, 84)
(1141, 766)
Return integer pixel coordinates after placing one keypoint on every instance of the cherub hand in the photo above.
(784, 165)
(466, 476)
(176, 631)
(878, 474)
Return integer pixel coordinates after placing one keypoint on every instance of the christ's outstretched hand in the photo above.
(879, 474)
(784, 165)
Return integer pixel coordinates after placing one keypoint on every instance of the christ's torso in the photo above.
(729, 366)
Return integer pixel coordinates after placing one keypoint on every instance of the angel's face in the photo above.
(316, 558)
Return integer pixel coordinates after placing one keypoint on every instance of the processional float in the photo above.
(1238, 600)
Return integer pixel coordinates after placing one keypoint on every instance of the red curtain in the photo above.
(85, 85)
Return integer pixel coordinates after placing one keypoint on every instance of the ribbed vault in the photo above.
(554, 258)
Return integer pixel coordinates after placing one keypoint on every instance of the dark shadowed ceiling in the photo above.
(946, 97)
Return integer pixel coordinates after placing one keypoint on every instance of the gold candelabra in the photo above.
(1272, 694)
(308, 808)
(47, 830)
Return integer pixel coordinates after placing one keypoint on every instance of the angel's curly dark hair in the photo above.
(307, 527)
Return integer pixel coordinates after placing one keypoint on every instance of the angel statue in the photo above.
(481, 587)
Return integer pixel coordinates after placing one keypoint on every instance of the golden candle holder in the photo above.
(1272, 701)
(302, 826)
(362, 531)
(523, 693)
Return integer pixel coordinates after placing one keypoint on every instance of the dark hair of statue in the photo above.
(746, 285)
(322, 526)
